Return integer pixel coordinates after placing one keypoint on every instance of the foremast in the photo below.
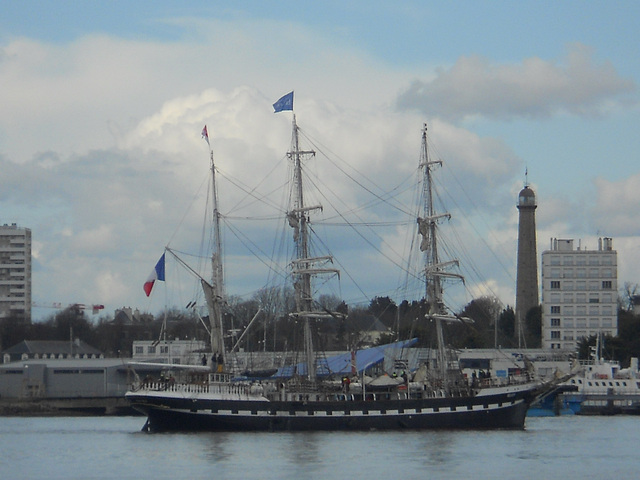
(435, 270)
(214, 291)
(304, 267)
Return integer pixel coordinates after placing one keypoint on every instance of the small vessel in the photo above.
(303, 396)
(601, 387)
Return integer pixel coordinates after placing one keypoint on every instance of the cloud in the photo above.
(474, 86)
(615, 207)
(100, 87)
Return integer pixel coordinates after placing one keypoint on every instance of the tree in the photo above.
(506, 326)
(630, 292)
(12, 331)
(533, 327)
(384, 309)
(484, 312)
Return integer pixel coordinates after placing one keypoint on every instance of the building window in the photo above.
(606, 285)
(555, 260)
(555, 284)
(164, 349)
(594, 300)
(555, 334)
(151, 349)
(555, 309)
(139, 350)
(555, 322)
(567, 260)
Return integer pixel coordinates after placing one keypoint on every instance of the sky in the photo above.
(103, 104)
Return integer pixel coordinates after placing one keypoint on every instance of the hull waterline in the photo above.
(488, 412)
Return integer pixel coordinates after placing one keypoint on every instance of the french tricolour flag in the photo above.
(156, 274)
(205, 134)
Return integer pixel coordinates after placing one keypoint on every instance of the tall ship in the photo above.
(304, 395)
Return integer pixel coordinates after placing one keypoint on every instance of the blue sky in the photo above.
(96, 95)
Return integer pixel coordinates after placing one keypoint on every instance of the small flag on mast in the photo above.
(205, 135)
(284, 103)
(156, 274)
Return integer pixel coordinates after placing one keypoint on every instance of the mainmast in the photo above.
(304, 266)
(434, 268)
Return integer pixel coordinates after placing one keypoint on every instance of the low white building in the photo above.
(171, 352)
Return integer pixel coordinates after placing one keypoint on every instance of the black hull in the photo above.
(489, 412)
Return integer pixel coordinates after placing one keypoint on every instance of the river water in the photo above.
(114, 448)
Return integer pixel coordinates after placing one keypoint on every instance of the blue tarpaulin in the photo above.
(341, 364)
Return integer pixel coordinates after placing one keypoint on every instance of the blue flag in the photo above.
(285, 103)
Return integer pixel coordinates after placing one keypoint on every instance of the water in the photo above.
(114, 448)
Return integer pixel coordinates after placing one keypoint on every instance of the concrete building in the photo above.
(527, 269)
(50, 386)
(579, 292)
(15, 272)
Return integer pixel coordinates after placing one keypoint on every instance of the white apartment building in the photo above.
(579, 293)
(15, 272)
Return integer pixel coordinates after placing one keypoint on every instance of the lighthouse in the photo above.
(527, 269)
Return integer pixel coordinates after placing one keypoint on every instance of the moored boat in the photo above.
(595, 387)
(601, 387)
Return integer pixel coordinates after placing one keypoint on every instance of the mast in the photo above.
(304, 266)
(434, 269)
(214, 292)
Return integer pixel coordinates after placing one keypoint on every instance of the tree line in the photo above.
(491, 325)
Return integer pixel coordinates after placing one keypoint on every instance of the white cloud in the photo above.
(474, 86)
(100, 87)
(615, 209)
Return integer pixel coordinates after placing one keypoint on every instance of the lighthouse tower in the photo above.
(527, 274)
